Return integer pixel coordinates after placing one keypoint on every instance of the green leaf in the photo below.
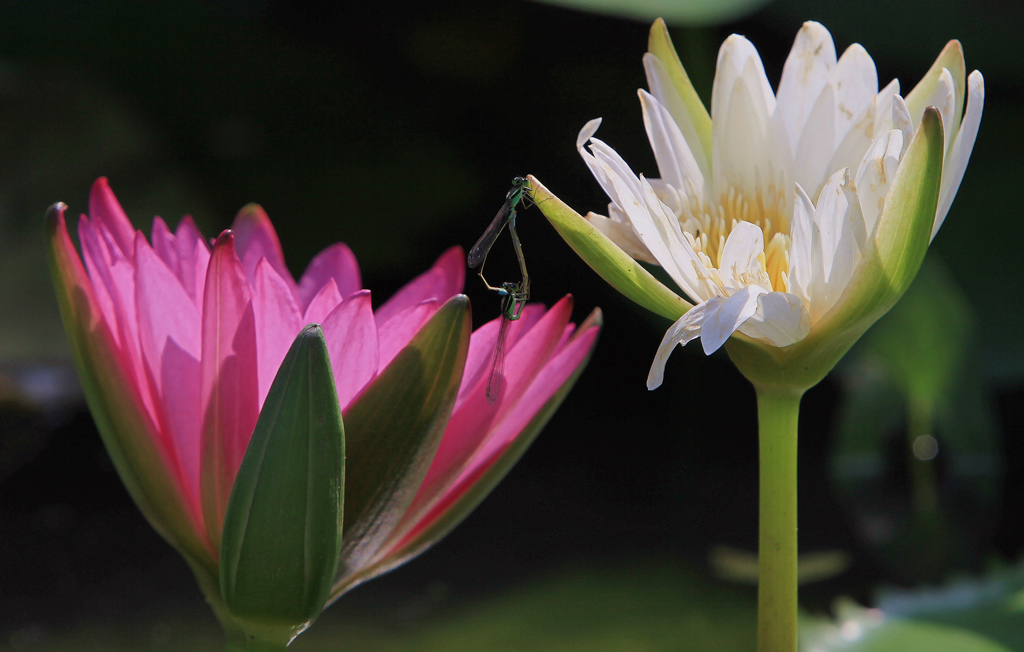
(282, 529)
(393, 430)
(606, 258)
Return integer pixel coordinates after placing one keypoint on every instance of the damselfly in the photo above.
(513, 295)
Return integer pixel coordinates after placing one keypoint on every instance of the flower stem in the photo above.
(777, 414)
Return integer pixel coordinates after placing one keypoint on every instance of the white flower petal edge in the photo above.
(960, 152)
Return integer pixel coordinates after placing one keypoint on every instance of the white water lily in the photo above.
(766, 210)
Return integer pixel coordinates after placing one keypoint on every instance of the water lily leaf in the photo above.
(393, 430)
(871, 630)
(979, 614)
(283, 525)
(989, 605)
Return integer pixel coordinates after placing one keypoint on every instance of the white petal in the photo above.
(836, 214)
(956, 160)
(883, 108)
(738, 58)
(781, 319)
(664, 90)
(945, 101)
(943, 97)
(877, 119)
(740, 253)
(636, 199)
(680, 333)
(676, 162)
(721, 321)
(622, 234)
(804, 77)
(741, 156)
(817, 144)
(801, 233)
(875, 174)
(856, 84)
(685, 267)
(586, 133)
(901, 120)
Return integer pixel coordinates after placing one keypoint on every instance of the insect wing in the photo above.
(483, 246)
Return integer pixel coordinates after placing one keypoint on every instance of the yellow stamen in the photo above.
(710, 225)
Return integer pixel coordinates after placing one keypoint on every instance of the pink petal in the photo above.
(277, 323)
(169, 326)
(113, 278)
(147, 467)
(326, 300)
(481, 348)
(441, 282)
(256, 238)
(351, 335)
(163, 244)
(395, 333)
(228, 381)
(185, 253)
(96, 257)
(335, 262)
(478, 358)
(471, 421)
(193, 266)
(555, 373)
(107, 213)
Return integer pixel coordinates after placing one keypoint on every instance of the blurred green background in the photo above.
(397, 127)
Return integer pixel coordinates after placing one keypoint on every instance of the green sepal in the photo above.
(606, 258)
(127, 431)
(489, 479)
(897, 247)
(951, 58)
(283, 525)
(659, 43)
(393, 430)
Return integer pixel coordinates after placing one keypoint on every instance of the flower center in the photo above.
(709, 226)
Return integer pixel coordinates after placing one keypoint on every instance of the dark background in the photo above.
(397, 128)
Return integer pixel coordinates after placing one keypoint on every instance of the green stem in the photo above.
(777, 414)
(234, 636)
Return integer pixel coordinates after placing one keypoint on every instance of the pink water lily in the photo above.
(178, 340)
